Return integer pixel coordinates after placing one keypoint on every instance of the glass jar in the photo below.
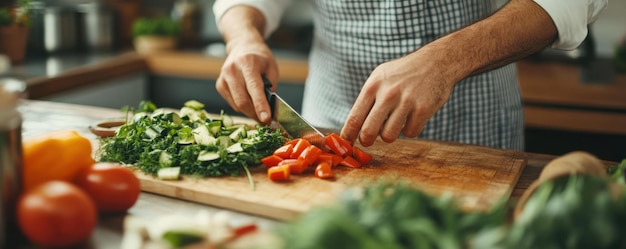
(10, 156)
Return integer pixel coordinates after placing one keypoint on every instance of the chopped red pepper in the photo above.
(300, 146)
(338, 145)
(271, 160)
(361, 156)
(349, 161)
(279, 173)
(310, 154)
(324, 171)
(296, 166)
(284, 151)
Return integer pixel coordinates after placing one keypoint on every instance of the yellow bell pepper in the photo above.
(59, 155)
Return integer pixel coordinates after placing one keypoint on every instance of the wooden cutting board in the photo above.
(476, 176)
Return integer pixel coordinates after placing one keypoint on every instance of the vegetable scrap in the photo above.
(298, 155)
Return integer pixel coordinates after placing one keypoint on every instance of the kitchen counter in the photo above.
(42, 116)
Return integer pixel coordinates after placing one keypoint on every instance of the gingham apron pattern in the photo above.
(352, 37)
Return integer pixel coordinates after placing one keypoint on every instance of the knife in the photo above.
(288, 120)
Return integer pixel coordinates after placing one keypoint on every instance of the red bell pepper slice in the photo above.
(296, 166)
(310, 154)
(338, 145)
(284, 151)
(324, 171)
(278, 173)
(300, 146)
(362, 156)
(349, 161)
(271, 160)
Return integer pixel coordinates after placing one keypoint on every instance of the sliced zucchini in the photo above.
(165, 159)
(208, 155)
(193, 115)
(236, 147)
(252, 133)
(202, 136)
(223, 141)
(227, 121)
(189, 140)
(193, 104)
(238, 133)
(151, 133)
(215, 126)
(169, 173)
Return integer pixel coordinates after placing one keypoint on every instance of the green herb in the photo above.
(154, 139)
(162, 26)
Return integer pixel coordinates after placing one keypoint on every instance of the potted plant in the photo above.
(155, 34)
(14, 23)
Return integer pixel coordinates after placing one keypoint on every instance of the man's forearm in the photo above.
(242, 23)
(519, 29)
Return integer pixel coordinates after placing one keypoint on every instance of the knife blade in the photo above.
(289, 120)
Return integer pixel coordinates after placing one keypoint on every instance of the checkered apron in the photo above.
(352, 37)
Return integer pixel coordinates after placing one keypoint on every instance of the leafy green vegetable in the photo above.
(618, 173)
(570, 212)
(388, 216)
(154, 139)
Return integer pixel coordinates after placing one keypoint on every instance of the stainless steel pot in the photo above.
(60, 32)
(97, 24)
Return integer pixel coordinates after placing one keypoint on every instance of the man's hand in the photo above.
(249, 58)
(399, 96)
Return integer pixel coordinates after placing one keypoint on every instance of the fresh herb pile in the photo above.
(578, 211)
(154, 139)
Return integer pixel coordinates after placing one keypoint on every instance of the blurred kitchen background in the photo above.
(67, 34)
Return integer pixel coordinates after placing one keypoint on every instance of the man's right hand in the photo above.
(249, 57)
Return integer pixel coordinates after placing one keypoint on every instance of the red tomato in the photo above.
(271, 160)
(113, 187)
(324, 171)
(56, 214)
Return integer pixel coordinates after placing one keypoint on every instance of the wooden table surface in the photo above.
(42, 116)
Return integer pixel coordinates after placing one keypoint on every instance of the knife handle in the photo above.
(268, 93)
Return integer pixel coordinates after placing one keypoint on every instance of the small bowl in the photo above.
(106, 128)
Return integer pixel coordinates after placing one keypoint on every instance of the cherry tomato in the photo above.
(113, 187)
(56, 214)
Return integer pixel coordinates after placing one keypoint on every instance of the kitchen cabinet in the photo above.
(564, 113)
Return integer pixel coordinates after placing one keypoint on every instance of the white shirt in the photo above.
(571, 17)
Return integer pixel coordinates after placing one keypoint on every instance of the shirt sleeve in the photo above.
(271, 9)
(571, 18)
